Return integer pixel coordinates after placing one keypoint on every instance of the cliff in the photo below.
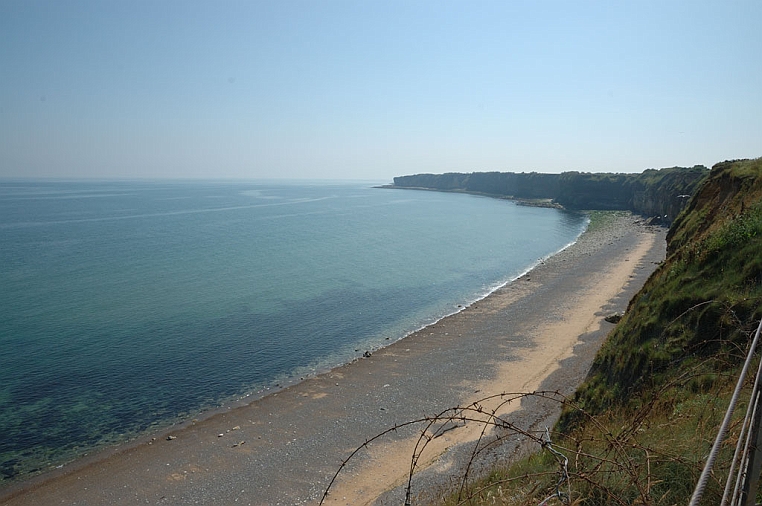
(711, 282)
(640, 427)
(660, 192)
(663, 377)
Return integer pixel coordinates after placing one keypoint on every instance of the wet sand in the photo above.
(540, 331)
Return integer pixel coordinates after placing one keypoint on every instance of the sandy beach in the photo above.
(539, 332)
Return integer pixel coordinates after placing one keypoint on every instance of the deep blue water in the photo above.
(127, 305)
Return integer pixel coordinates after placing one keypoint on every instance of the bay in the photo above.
(129, 305)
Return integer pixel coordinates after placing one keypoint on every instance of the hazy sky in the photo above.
(373, 89)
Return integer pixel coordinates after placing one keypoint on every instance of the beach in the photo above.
(539, 332)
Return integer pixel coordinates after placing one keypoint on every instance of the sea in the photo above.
(128, 306)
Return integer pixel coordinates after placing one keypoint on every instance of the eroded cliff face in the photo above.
(732, 189)
(665, 192)
(583, 190)
(704, 299)
(654, 193)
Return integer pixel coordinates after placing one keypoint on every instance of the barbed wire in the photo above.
(563, 474)
(614, 458)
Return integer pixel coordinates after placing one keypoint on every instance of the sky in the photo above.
(332, 89)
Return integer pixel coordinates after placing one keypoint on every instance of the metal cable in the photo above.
(747, 433)
(744, 457)
(705, 473)
(740, 456)
(737, 458)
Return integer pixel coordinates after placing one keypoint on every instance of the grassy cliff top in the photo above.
(640, 427)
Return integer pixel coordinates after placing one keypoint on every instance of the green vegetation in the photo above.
(652, 455)
(652, 193)
(639, 428)
(600, 219)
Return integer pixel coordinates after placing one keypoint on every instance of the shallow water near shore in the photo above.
(133, 304)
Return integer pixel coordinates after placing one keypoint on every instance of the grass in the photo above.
(601, 219)
(650, 453)
(639, 428)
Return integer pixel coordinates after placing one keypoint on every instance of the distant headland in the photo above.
(657, 193)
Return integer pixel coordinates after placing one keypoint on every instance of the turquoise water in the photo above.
(127, 305)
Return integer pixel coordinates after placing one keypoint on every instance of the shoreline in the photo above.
(46, 459)
(555, 362)
(326, 414)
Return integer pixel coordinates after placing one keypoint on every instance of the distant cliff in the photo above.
(653, 192)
